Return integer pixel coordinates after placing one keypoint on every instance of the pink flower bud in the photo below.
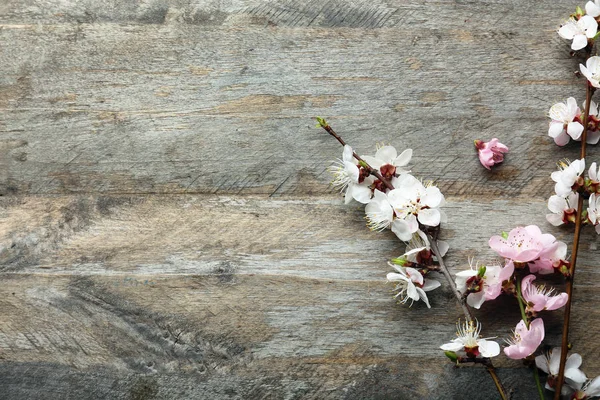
(490, 153)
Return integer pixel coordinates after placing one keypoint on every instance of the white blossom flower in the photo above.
(561, 207)
(586, 390)
(482, 288)
(550, 363)
(592, 8)
(389, 155)
(419, 242)
(594, 211)
(563, 126)
(593, 136)
(411, 285)
(346, 176)
(412, 202)
(418, 251)
(567, 175)
(380, 213)
(591, 71)
(468, 340)
(579, 31)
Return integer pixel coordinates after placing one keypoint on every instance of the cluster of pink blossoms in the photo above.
(524, 249)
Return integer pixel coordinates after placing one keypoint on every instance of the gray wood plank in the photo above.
(176, 107)
(248, 337)
(159, 288)
(305, 237)
(166, 227)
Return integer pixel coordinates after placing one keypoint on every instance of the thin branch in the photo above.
(487, 363)
(371, 170)
(459, 297)
(570, 278)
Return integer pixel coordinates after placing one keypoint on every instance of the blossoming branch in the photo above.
(413, 210)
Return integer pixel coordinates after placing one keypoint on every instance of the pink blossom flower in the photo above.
(540, 298)
(522, 244)
(481, 288)
(490, 153)
(525, 341)
(553, 256)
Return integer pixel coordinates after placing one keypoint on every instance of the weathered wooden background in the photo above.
(166, 226)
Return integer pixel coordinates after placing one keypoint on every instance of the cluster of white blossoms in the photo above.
(578, 385)
(566, 122)
(408, 209)
(570, 184)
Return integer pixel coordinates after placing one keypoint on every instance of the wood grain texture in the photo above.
(166, 226)
(168, 289)
(225, 108)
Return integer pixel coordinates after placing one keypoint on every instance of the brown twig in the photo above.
(459, 297)
(569, 289)
(487, 363)
(371, 170)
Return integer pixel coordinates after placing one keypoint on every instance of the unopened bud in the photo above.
(363, 164)
(504, 235)
(481, 271)
(401, 261)
(451, 355)
(322, 122)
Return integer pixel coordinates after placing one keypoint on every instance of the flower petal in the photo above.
(555, 128)
(404, 158)
(579, 42)
(360, 193)
(557, 204)
(347, 155)
(475, 300)
(387, 154)
(452, 346)
(429, 217)
(431, 284)
(423, 296)
(556, 302)
(443, 247)
(488, 348)
(568, 30)
(372, 161)
(592, 9)
(573, 361)
(542, 363)
(401, 229)
(589, 24)
(593, 389)
(574, 129)
(432, 197)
